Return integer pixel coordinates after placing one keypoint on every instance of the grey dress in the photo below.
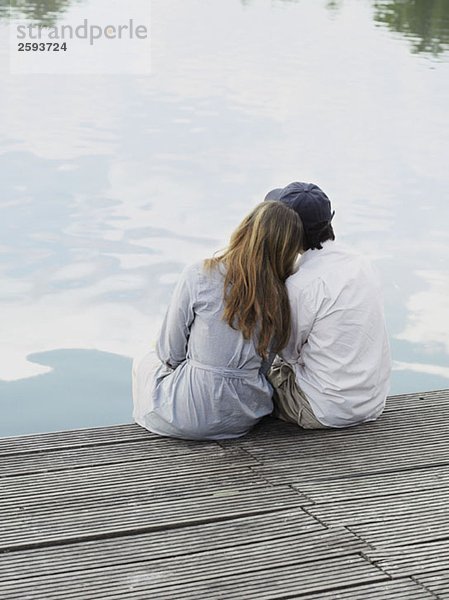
(205, 381)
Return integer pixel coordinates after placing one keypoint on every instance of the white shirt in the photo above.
(339, 345)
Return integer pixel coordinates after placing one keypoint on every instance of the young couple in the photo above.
(250, 331)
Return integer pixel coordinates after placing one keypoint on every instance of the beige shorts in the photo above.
(290, 402)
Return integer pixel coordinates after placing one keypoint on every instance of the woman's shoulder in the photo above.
(193, 268)
(201, 271)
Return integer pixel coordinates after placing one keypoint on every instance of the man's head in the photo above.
(314, 208)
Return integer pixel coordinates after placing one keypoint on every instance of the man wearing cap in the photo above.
(335, 370)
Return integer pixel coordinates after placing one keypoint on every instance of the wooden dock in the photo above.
(115, 512)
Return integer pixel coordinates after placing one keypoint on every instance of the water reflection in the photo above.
(334, 5)
(84, 387)
(121, 181)
(424, 22)
(39, 12)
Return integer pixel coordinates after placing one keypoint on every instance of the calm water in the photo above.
(111, 184)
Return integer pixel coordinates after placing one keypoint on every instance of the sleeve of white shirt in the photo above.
(304, 307)
(171, 347)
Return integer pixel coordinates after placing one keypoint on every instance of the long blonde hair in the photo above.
(260, 256)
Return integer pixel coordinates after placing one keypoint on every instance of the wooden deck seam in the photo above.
(260, 571)
(368, 473)
(351, 586)
(226, 448)
(252, 570)
(19, 453)
(317, 519)
(136, 435)
(362, 587)
(424, 587)
(335, 501)
(374, 564)
(295, 489)
(362, 554)
(359, 537)
(131, 532)
(144, 461)
(345, 553)
(406, 545)
(327, 590)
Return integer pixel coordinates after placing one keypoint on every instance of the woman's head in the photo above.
(260, 256)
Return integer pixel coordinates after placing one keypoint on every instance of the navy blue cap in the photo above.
(308, 200)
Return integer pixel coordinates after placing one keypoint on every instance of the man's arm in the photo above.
(304, 307)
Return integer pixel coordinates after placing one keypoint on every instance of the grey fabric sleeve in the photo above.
(171, 346)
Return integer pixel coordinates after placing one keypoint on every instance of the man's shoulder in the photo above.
(353, 262)
(335, 262)
(303, 282)
(312, 267)
(331, 254)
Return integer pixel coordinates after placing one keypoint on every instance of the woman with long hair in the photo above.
(228, 317)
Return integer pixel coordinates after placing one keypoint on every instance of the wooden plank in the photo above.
(377, 438)
(57, 460)
(131, 432)
(232, 458)
(395, 428)
(77, 520)
(205, 564)
(416, 400)
(129, 514)
(383, 509)
(370, 486)
(437, 583)
(239, 578)
(430, 416)
(135, 485)
(410, 560)
(404, 530)
(389, 426)
(157, 545)
(85, 458)
(146, 476)
(74, 438)
(429, 404)
(298, 470)
(343, 441)
(404, 589)
(377, 450)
